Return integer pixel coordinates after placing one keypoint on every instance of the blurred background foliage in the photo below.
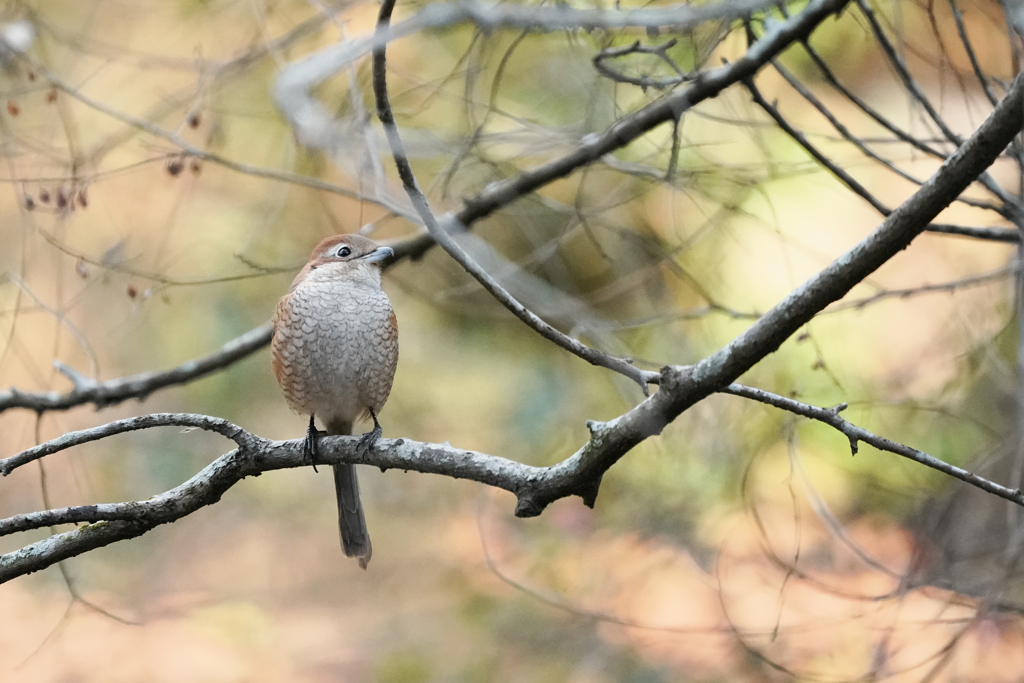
(741, 544)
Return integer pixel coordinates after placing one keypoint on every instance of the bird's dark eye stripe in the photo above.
(344, 251)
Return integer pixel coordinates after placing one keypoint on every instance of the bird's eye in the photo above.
(343, 252)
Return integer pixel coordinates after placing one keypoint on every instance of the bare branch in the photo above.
(1014, 211)
(112, 392)
(313, 122)
(972, 55)
(951, 286)
(855, 434)
(903, 71)
(628, 128)
(1010, 236)
(916, 142)
(660, 51)
(991, 234)
(632, 126)
(442, 236)
(682, 387)
(110, 523)
(205, 422)
(845, 132)
(77, 514)
(198, 153)
(801, 139)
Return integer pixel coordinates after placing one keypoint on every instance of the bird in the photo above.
(334, 353)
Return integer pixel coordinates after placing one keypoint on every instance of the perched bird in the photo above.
(334, 353)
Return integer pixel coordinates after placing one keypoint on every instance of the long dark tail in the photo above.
(355, 538)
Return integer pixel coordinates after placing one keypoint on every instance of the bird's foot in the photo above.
(309, 446)
(369, 438)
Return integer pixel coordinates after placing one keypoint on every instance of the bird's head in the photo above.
(345, 257)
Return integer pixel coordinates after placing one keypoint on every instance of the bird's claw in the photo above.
(368, 439)
(309, 447)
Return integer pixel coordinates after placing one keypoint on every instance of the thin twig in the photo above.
(1008, 235)
(992, 234)
(914, 141)
(661, 51)
(920, 143)
(979, 73)
(819, 156)
(845, 132)
(1015, 211)
(903, 71)
(951, 286)
(112, 392)
(855, 434)
(198, 153)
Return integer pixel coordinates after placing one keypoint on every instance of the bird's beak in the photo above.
(379, 254)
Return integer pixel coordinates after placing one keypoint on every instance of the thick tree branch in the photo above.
(682, 387)
(111, 522)
(114, 522)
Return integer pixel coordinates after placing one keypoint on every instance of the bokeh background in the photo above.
(741, 544)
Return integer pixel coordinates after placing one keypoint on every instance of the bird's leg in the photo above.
(370, 437)
(309, 449)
